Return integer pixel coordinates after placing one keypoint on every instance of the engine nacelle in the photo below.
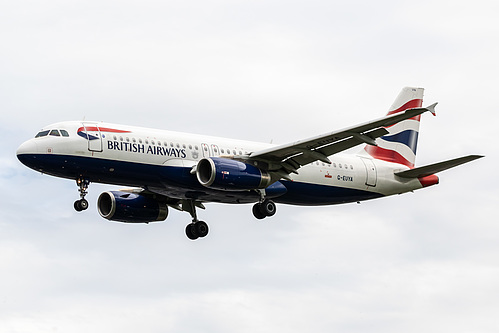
(130, 207)
(230, 175)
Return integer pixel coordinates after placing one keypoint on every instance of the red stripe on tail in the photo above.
(415, 103)
(387, 155)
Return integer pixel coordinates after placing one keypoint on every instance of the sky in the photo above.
(269, 71)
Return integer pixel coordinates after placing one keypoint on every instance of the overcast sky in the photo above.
(265, 71)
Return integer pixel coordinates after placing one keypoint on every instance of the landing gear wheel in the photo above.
(80, 205)
(268, 208)
(257, 212)
(191, 232)
(83, 204)
(201, 228)
(196, 230)
(264, 209)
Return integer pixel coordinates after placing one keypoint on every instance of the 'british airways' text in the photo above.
(143, 149)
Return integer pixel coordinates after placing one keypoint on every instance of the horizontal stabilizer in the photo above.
(437, 167)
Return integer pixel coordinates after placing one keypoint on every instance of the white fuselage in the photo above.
(161, 160)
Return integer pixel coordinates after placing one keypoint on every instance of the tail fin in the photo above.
(399, 146)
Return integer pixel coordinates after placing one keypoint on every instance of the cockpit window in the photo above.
(42, 133)
(53, 132)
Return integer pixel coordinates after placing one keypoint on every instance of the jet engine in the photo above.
(230, 175)
(131, 207)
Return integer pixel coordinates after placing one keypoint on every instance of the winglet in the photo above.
(431, 108)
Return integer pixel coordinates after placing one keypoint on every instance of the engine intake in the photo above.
(130, 207)
(230, 175)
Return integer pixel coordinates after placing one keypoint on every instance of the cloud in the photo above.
(255, 71)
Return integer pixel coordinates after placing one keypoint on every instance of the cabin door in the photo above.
(94, 136)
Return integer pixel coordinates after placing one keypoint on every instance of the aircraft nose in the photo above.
(26, 151)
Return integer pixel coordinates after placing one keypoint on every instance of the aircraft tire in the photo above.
(77, 206)
(257, 211)
(268, 208)
(201, 229)
(191, 232)
(83, 204)
(80, 205)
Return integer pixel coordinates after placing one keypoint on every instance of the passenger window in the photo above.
(54, 133)
(64, 133)
(42, 133)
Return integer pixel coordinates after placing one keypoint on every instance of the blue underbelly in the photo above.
(179, 183)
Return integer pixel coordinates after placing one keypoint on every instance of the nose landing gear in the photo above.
(82, 204)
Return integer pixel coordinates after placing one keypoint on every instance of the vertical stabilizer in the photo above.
(399, 146)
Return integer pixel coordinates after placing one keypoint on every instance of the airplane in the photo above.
(183, 171)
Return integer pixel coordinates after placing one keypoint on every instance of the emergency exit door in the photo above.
(371, 174)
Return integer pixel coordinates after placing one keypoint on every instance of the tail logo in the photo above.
(400, 145)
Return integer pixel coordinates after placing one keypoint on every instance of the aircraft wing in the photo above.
(290, 157)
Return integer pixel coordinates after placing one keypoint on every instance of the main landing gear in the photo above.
(81, 204)
(263, 209)
(196, 229)
(199, 229)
